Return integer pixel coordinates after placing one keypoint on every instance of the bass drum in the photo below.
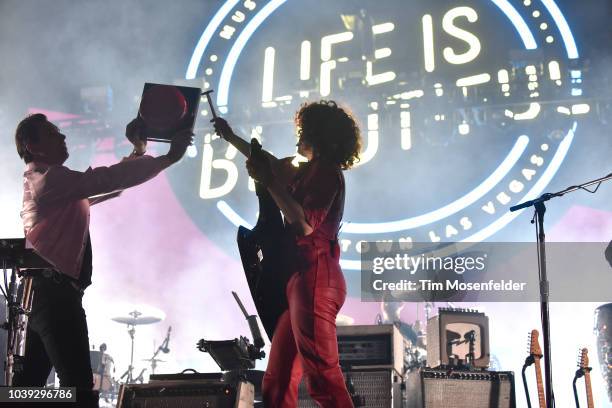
(102, 366)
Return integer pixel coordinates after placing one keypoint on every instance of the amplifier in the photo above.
(431, 388)
(449, 335)
(369, 388)
(187, 394)
(372, 346)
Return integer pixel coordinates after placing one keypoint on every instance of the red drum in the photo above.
(163, 107)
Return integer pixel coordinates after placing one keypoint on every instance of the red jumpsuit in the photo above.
(305, 340)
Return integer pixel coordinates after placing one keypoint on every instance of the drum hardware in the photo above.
(134, 318)
(162, 348)
(16, 257)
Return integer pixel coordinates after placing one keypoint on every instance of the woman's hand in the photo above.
(222, 128)
(259, 169)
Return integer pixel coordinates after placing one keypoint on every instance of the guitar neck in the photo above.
(538, 370)
(589, 392)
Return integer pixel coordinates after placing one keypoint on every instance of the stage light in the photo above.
(329, 40)
(518, 22)
(529, 114)
(580, 109)
(234, 53)
(207, 191)
(561, 22)
(428, 43)
(464, 129)
(473, 41)
(554, 70)
(473, 80)
(268, 76)
(196, 57)
(305, 60)
(192, 151)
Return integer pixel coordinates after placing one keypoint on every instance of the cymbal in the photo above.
(135, 321)
(136, 318)
(344, 320)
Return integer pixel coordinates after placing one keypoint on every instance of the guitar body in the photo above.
(265, 252)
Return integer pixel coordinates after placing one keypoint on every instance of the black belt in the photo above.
(57, 277)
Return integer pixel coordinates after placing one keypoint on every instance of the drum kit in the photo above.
(103, 365)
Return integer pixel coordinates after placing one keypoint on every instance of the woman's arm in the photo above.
(292, 210)
(261, 169)
(224, 130)
(321, 185)
(239, 143)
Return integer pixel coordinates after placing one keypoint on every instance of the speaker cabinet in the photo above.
(431, 388)
(186, 394)
(379, 388)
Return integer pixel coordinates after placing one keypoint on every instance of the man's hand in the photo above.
(222, 128)
(180, 141)
(134, 131)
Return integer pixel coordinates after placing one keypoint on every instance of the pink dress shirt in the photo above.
(56, 204)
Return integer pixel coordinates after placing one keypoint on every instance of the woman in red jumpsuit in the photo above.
(312, 202)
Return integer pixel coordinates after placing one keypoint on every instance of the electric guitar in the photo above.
(586, 370)
(265, 252)
(536, 352)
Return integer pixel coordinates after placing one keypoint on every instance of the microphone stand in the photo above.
(162, 348)
(538, 220)
(579, 373)
(528, 361)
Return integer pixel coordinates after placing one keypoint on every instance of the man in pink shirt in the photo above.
(55, 216)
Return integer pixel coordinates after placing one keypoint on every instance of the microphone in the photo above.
(165, 349)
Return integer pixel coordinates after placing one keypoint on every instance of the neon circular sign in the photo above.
(445, 93)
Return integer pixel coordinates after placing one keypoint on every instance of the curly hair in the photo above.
(331, 130)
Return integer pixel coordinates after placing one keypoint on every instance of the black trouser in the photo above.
(57, 336)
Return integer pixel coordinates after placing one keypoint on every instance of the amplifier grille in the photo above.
(374, 388)
(473, 389)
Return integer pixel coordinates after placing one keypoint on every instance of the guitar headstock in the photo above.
(534, 344)
(255, 147)
(583, 358)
